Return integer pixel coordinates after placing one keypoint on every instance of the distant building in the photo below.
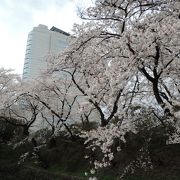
(42, 42)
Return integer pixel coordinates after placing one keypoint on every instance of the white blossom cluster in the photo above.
(143, 161)
(103, 138)
(23, 158)
(175, 137)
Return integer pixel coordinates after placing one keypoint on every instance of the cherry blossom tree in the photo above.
(56, 95)
(126, 55)
(23, 112)
(8, 85)
(128, 39)
(17, 108)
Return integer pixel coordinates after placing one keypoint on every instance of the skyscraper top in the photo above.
(59, 31)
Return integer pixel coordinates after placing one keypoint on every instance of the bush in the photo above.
(7, 131)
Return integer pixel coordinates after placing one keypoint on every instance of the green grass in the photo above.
(153, 178)
(61, 170)
(106, 177)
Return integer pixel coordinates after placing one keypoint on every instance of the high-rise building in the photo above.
(41, 43)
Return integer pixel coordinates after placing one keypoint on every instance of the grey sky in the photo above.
(18, 17)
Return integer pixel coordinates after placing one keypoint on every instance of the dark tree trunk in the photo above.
(25, 131)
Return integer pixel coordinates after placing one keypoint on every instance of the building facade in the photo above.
(42, 42)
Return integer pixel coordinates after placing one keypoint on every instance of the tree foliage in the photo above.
(126, 56)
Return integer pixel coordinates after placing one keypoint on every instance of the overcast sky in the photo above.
(18, 17)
